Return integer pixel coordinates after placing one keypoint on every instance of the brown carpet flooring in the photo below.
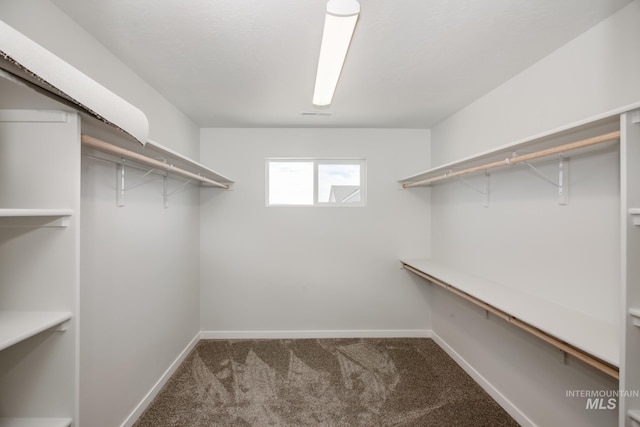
(321, 382)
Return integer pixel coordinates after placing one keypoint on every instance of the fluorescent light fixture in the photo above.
(339, 24)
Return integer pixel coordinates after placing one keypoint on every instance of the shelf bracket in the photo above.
(121, 187)
(563, 357)
(120, 177)
(635, 215)
(62, 327)
(166, 195)
(485, 192)
(563, 179)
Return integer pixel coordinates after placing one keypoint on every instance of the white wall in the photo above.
(595, 73)
(139, 263)
(525, 238)
(287, 271)
(139, 289)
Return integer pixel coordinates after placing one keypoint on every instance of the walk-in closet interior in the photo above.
(167, 176)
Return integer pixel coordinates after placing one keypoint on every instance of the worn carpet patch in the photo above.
(321, 382)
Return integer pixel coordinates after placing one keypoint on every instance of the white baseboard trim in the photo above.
(391, 333)
(500, 398)
(146, 401)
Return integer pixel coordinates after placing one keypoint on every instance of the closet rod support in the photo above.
(563, 357)
(120, 183)
(166, 195)
(563, 178)
(563, 181)
(484, 192)
(62, 327)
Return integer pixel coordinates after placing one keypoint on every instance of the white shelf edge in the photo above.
(208, 172)
(35, 422)
(35, 217)
(635, 418)
(635, 215)
(17, 326)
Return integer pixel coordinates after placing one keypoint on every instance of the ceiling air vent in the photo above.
(317, 113)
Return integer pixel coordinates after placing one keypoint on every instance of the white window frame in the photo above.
(362, 162)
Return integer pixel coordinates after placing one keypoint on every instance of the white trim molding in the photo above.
(386, 333)
(146, 401)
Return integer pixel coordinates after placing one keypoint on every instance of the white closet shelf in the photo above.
(542, 143)
(16, 326)
(35, 422)
(635, 314)
(35, 217)
(589, 335)
(169, 161)
(183, 161)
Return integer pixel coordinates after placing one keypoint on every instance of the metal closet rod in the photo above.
(519, 159)
(121, 152)
(549, 339)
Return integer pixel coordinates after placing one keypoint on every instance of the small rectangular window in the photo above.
(315, 182)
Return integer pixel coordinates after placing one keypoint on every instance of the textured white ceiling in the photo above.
(251, 63)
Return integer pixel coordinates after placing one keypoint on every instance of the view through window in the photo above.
(315, 182)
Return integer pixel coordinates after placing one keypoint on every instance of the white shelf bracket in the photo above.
(120, 176)
(635, 316)
(487, 188)
(62, 327)
(165, 189)
(484, 193)
(563, 179)
(635, 215)
(121, 187)
(563, 357)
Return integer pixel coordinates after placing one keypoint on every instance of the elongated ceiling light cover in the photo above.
(339, 24)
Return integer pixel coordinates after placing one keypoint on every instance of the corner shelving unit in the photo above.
(39, 267)
(630, 268)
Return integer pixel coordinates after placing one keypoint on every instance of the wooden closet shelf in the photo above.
(586, 338)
